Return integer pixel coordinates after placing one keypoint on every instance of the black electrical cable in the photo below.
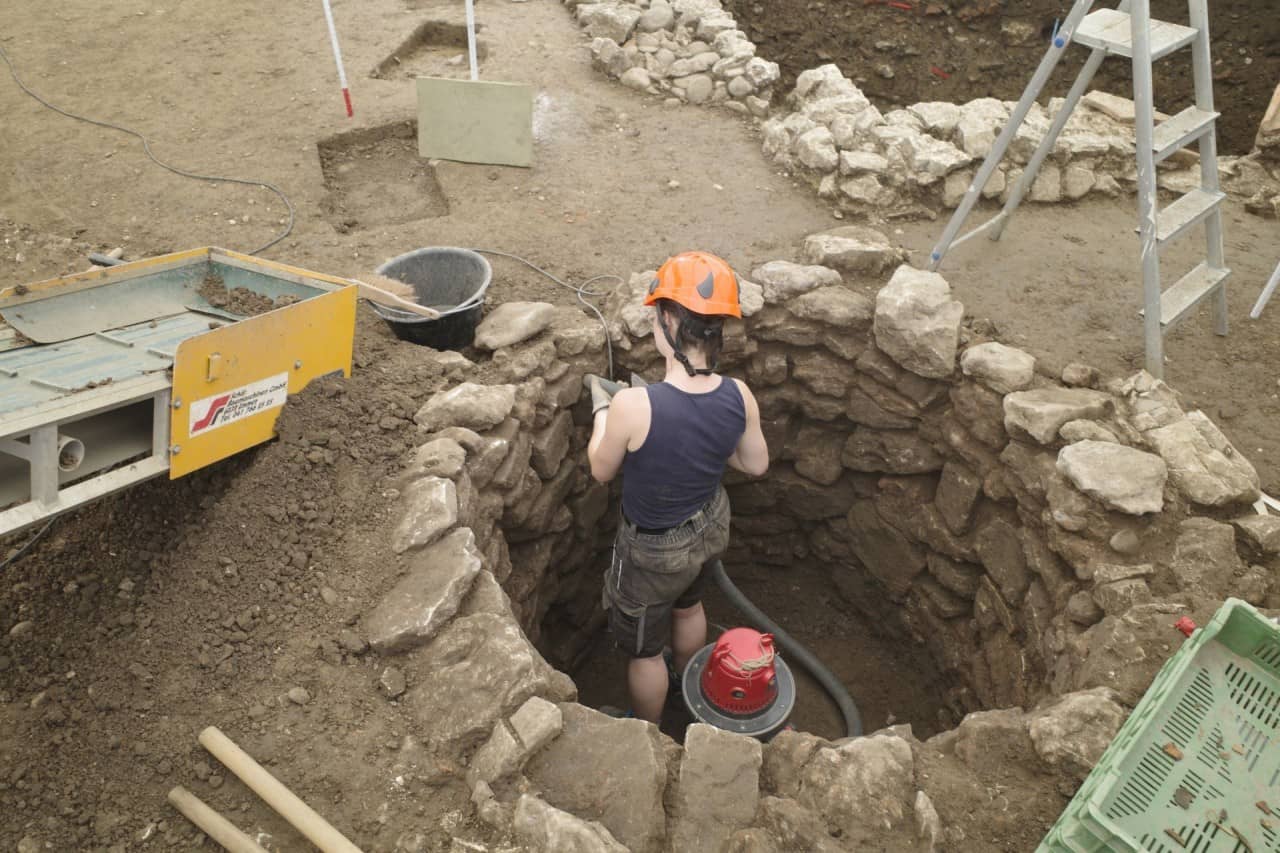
(27, 547)
(794, 650)
(146, 147)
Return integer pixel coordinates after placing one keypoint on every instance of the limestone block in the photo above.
(1082, 430)
(889, 451)
(888, 555)
(1073, 732)
(659, 16)
(783, 279)
(1041, 412)
(822, 373)
(1082, 609)
(851, 249)
(816, 453)
(943, 602)
(956, 576)
(979, 123)
(1077, 181)
(476, 670)
(513, 322)
(790, 826)
(550, 445)
(430, 509)
(986, 736)
(1001, 368)
(1000, 549)
(957, 496)
(609, 770)
(1122, 478)
(440, 457)
(1113, 107)
(865, 785)
(427, 597)
(1203, 464)
(869, 409)
(1205, 558)
(1260, 531)
(761, 72)
(719, 787)
(836, 306)
(937, 117)
(784, 759)
(542, 828)
(863, 189)
(530, 728)
(469, 405)
(614, 21)
(1047, 187)
(817, 150)
(859, 162)
(917, 323)
(1117, 598)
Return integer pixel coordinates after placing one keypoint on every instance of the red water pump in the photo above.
(740, 684)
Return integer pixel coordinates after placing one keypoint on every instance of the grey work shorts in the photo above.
(652, 573)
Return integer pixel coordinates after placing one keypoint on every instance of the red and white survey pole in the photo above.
(337, 56)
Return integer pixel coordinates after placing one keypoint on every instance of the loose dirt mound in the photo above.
(205, 601)
(938, 51)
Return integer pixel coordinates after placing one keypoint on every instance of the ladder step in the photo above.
(1109, 30)
(1185, 213)
(1190, 291)
(1180, 131)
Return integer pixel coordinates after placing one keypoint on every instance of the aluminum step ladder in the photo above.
(1129, 31)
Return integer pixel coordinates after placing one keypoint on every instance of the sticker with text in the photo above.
(238, 404)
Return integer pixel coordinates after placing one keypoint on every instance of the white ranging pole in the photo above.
(471, 38)
(1266, 292)
(337, 55)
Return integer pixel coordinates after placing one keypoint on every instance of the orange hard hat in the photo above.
(700, 281)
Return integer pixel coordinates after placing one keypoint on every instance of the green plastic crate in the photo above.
(1196, 767)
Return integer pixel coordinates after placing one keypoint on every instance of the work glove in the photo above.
(602, 391)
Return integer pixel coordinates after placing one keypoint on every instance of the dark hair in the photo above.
(702, 332)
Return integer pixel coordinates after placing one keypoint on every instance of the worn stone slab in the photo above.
(851, 249)
(1001, 368)
(719, 787)
(1203, 464)
(1260, 531)
(478, 669)
(889, 451)
(1073, 732)
(783, 279)
(1117, 598)
(1000, 549)
(542, 828)
(427, 597)
(430, 508)
(440, 457)
(865, 784)
(550, 444)
(530, 728)
(1205, 558)
(609, 770)
(1122, 478)
(917, 323)
(476, 407)
(513, 322)
(888, 555)
(1040, 413)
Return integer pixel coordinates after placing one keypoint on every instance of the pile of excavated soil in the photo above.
(965, 49)
(222, 599)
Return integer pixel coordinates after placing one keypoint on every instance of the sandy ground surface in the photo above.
(249, 90)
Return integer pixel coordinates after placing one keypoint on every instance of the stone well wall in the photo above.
(1015, 521)
(1037, 531)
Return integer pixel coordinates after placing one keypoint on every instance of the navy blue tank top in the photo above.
(678, 468)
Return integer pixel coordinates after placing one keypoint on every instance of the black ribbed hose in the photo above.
(795, 652)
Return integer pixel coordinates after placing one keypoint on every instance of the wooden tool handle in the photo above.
(373, 294)
(273, 792)
(214, 825)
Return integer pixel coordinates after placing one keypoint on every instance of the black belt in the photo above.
(654, 531)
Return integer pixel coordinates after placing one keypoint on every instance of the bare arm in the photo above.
(611, 434)
(751, 456)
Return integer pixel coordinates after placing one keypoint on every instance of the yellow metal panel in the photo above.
(218, 413)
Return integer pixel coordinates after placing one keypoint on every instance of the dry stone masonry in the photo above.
(1035, 532)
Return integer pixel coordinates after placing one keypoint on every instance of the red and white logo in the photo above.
(237, 404)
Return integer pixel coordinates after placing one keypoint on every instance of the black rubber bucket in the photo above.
(452, 281)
